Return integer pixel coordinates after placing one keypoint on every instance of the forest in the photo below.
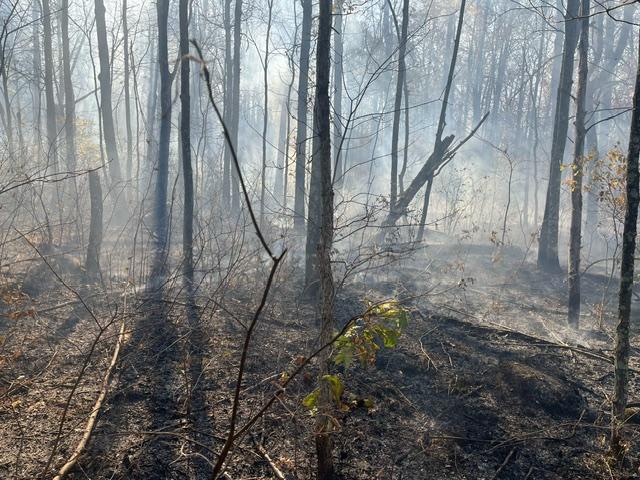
(330, 239)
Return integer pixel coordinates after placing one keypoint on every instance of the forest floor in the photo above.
(486, 382)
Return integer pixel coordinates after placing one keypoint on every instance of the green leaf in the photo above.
(311, 400)
(337, 388)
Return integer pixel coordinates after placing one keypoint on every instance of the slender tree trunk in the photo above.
(92, 264)
(337, 92)
(278, 184)
(228, 105)
(265, 114)
(106, 106)
(620, 391)
(127, 93)
(398, 103)
(575, 242)
(185, 146)
(425, 210)
(301, 130)
(548, 247)
(52, 153)
(321, 218)
(162, 178)
(69, 98)
(235, 101)
(36, 88)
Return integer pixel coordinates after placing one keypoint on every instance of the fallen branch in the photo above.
(274, 468)
(66, 468)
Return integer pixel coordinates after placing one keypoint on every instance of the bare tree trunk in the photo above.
(162, 179)
(106, 106)
(626, 275)
(321, 217)
(37, 91)
(301, 129)
(228, 105)
(402, 39)
(92, 264)
(52, 152)
(337, 92)
(127, 93)
(425, 210)
(69, 98)
(235, 101)
(278, 184)
(575, 242)
(548, 247)
(265, 113)
(185, 146)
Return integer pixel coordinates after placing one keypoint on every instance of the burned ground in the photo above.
(485, 383)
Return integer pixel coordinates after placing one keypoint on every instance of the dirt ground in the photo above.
(486, 383)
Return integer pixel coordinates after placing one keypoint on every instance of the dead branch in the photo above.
(86, 436)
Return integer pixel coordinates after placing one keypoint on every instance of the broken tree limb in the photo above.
(438, 158)
(91, 422)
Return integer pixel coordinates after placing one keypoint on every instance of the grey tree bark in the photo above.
(106, 106)
(548, 245)
(301, 128)
(575, 242)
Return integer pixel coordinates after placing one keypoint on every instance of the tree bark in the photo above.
(69, 98)
(620, 391)
(162, 177)
(92, 263)
(301, 129)
(52, 151)
(548, 246)
(402, 49)
(321, 217)
(106, 106)
(185, 146)
(575, 242)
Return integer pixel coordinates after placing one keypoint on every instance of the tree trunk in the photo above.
(265, 113)
(228, 105)
(106, 106)
(278, 184)
(52, 152)
(185, 146)
(548, 247)
(626, 275)
(402, 39)
(321, 217)
(337, 92)
(69, 98)
(92, 264)
(235, 101)
(162, 178)
(127, 94)
(575, 242)
(425, 210)
(301, 129)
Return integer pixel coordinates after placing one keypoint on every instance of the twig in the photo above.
(506, 460)
(274, 468)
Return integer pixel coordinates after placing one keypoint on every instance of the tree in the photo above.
(402, 39)
(235, 100)
(69, 97)
(301, 128)
(265, 113)
(321, 219)
(106, 107)
(162, 176)
(575, 242)
(548, 246)
(92, 263)
(337, 90)
(52, 151)
(127, 93)
(620, 390)
(185, 146)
